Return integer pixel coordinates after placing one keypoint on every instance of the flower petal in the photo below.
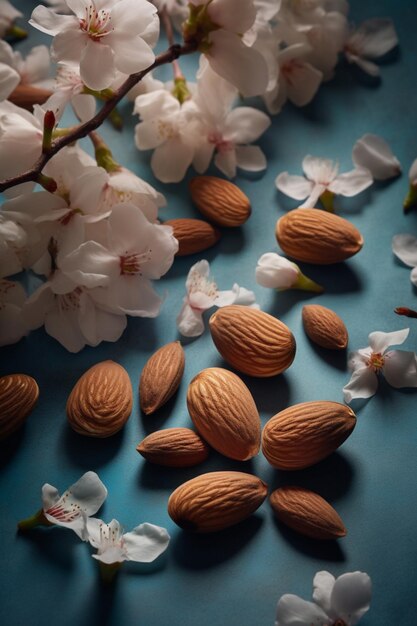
(380, 341)
(296, 187)
(323, 584)
(235, 15)
(246, 124)
(303, 84)
(131, 54)
(400, 368)
(404, 246)
(351, 183)
(49, 22)
(236, 295)
(373, 153)
(363, 384)
(294, 611)
(145, 543)
(319, 170)
(377, 36)
(226, 162)
(88, 493)
(351, 596)
(190, 321)
(275, 271)
(50, 496)
(250, 158)
(171, 160)
(97, 68)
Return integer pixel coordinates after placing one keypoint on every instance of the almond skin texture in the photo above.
(252, 341)
(216, 500)
(101, 401)
(174, 447)
(315, 236)
(307, 513)
(220, 201)
(26, 96)
(193, 235)
(161, 376)
(306, 433)
(18, 395)
(224, 413)
(324, 327)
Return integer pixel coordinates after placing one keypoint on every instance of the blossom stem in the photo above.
(46, 182)
(38, 519)
(326, 199)
(306, 284)
(108, 571)
(16, 32)
(103, 154)
(83, 130)
(48, 129)
(403, 310)
(410, 201)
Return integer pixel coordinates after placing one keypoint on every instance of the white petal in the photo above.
(235, 15)
(404, 246)
(145, 543)
(49, 22)
(226, 162)
(296, 187)
(190, 321)
(132, 295)
(133, 16)
(294, 611)
(245, 125)
(275, 271)
(50, 496)
(250, 158)
(367, 66)
(363, 384)
(377, 37)
(319, 170)
(9, 80)
(380, 341)
(236, 295)
(171, 160)
(323, 584)
(84, 106)
(88, 492)
(68, 45)
(351, 183)
(97, 68)
(303, 84)
(351, 596)
(373, 153)
(131, 54)
(12, 326)
(400, 368)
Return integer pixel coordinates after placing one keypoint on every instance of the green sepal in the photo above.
(410, 201)
(181, 91)
(327, 198)
(306, 284)
(16, 32)
(38, 519)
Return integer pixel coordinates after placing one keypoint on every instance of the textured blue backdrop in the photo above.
(235, 577)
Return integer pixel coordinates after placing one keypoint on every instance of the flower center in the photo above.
(69, 301)
(200, 283)
(288, 69)
(96, 24)
(166, 130)
(222, 145)
(376, 361)
(64, 511)
(110, 537)
(131, 264)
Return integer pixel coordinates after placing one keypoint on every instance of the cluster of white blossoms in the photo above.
(90, 241)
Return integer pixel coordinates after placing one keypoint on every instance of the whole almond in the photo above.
(18, 395)
(101, 401)
(306, 433)
(161, 376)
(307, 513)
(324, 327)
(26, 96)
(193, 235)
(252, 341)
(224, 413)
(174, 447)
(217, 500)
(220, 201)
(315, 236)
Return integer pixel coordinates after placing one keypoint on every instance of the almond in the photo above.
(101, 401)
(161, 376)
(220, 201)
(315, 236)
(193, 235)
(26, 96)
(174, 447)
(224, 413)
(252, 341)
(324, 327)
(307, 513)
(306, 433)
(18, 395)
(216, 500)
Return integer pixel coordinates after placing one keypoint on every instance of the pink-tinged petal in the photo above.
(296, 187)
(323, 584)
(242, 66)
(190, 321)
(91, 265)
(294, 611)
(147, 136)
(234, 15)
(359, 358)
(226, 162)
(303, 83)
(79, 7)
(380, 341)
(245, 125)
(12, 293)
(69, 45)
(363, 384)
(351, 183)
(107, 326)
(400, 368)
(9, 80)
(319, 170)
(84, 106)
(130, 295)
(131, 54)
(50, 496)
(373, 153)
(404, 247)
(351, 597)
(49, 22)
(275, 271)
(250, 158)
(171, 160)
(97, 68)
(202, 157)
(377, 36)
(132, 17)
(145, 543)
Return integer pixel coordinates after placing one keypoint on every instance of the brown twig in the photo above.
(170, 55)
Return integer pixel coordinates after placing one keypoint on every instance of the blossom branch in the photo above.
(170, 55)
(169, 32)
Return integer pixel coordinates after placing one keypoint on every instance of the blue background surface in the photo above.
(236, 577)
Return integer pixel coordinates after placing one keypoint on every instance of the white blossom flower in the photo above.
(341, 601)
(277, 272)
(143, 544)
(9, 77)
(133, 252)
(404, 247)
(373, 153)
(203, 294)
(12, 298)
(218, 26)
(102, 36)
(323, 181)
(8, 14)
(371, 40)
(13, 241)
(398, 366)
(70, 88)
(410, 200)
(226, 131)
(73, 508)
